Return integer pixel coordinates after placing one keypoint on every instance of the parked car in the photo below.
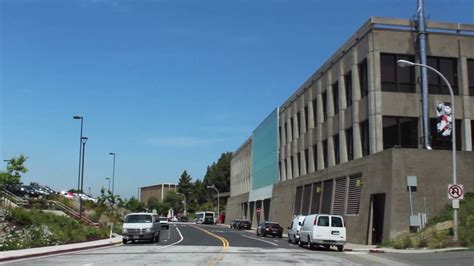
(270, 228)
(294, 229)
(233, 223)
(323, 229)
(164, 222)
(244, 224)
(68, 195)
(141, 226)
(29, 191)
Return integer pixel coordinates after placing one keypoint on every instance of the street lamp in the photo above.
(80, 150)
(83, 142)
(108, 178)
(184, 202)
(113, 172)
(405, 63)
(214, 187)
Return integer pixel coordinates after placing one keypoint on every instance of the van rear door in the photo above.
(338, 230)
(321, 228)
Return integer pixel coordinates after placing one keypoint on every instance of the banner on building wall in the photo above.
(444, 115)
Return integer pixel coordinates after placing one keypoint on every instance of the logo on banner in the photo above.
(444, 125)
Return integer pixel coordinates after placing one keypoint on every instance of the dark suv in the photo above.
(270, 228)
(244, 224)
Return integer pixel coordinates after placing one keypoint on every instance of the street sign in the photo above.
(258, 210)
(455, 191)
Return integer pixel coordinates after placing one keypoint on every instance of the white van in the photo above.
(141, 226)
(295, 228)
(323, 229)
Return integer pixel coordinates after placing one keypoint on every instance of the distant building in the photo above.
(348, 141)
(157, 191)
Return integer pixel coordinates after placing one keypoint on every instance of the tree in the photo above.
(15, 168)
(134, 205)
(173, 201)
(218, 174)
(185, 185)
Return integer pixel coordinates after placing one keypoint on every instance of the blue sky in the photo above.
(167, 85)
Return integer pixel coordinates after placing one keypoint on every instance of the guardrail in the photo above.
(72, 213)
(13, 198)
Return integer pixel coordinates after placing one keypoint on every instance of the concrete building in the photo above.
(349, 138)
(157, 191)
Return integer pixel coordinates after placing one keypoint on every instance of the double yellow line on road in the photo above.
(225, 243)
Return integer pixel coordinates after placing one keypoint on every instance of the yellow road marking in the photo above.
(225, 246)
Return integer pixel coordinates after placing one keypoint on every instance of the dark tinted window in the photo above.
(335, 97)
(315, 112)
(325, 153)
(394, 78)
(315, 157)
(348, 84)
(447, 67)
(336, 149)
(306, 159)
(364, 136)
(139, 218)
(323, 221)
(336, 222)
(300, 124)
(470, 77)
(400, 131)
(292, 127)
(363, 78)
(306, 117)
(350, 144)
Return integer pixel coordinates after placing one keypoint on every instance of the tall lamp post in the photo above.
(83, 142)
(214, 187)
(80, 151)
(113, 173)
(184, 202)
(108, 178)
(405, 63)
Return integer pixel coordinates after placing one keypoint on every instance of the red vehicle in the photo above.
(270, 228)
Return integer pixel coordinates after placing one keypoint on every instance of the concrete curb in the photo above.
(405, 251)
(51, 250)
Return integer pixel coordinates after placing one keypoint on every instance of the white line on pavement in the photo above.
(260, 240)
(175, 243)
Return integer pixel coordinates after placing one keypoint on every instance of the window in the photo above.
(394, 78)
(444, 143)
(363, 78)
(300, 124)
(280, 170)
(298, 198)
(306, 117)
(288, 168)
(336, 149)
(470, 76)
(306, 160)
(472, 132)
(325, 153)
(364, 137)
(327, 196)
(315, 157)
(292, 126)
(282, 143)
(306, 199)
(298, 159)
(336, 222)
(315, 112)
(323, 220)
(335, 97)
(287, 133)
(350, 144)
(348, 83)
(355, 191)
(323, 98)
(400, 131)
(449, 68)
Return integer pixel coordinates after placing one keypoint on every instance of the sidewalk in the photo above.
(42, 251)
(374, 249)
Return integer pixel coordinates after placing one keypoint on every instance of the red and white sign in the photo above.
(258, 210)
(455, 191)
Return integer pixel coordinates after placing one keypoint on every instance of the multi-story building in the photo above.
(349, 140)
(157, 191)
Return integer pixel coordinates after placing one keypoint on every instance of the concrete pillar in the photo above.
(356, 96)
(289, 174)
(310, 159)
(342, 115)
(375, 101)
(466, 130)
(330, 120)
(319, 125)
(296, 171)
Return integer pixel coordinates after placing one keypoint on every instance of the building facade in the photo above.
(350, 136)
(157, 191)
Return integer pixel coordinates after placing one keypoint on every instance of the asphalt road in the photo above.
(190, 244)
